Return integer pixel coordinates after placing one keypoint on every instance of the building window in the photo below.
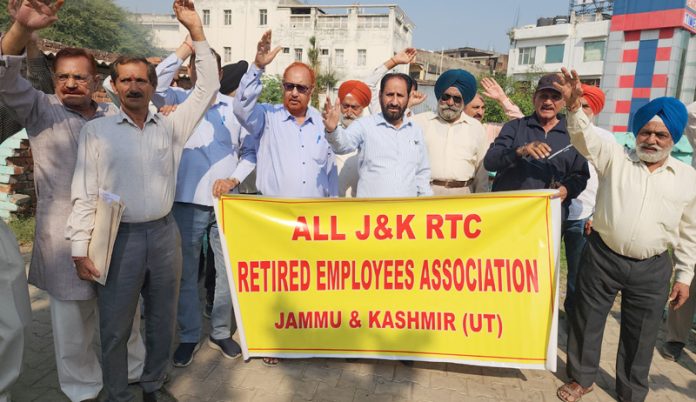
(324, 52)
(338, 57)
(228, 17)
(263, 17)
(286, 50)
(526, 55)
(554, 53)
(206, 17)
(228, 55)
(594, 51)
(362, 57)
(298, 54)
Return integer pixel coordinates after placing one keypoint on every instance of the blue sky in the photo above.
(439, 24)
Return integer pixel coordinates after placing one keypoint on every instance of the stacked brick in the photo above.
(17, 194)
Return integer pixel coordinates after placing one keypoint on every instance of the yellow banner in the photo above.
(467, 280)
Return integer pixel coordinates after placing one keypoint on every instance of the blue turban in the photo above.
(462, 80)
(669, 109)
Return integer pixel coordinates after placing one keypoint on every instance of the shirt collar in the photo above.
(123, 117)
(381, 121)
(309, 115)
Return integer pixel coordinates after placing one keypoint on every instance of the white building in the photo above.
(165, 29)
(352, 39)
(577, 42)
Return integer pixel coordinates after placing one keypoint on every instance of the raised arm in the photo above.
(342, 140)
(249, 112)
(38, 72)
(406, 56)
(493, 90)
(166, 72)
(16, 93)
(185, 118)
(582, 135)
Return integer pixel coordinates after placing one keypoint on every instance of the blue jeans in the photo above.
(575, 240)
(194, 222)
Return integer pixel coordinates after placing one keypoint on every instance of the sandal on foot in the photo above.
(572, 392)
(270, 361)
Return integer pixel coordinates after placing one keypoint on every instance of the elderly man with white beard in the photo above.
(646, 205)
(456, 142)
(353, 96)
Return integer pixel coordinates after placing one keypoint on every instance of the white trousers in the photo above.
(76, 341)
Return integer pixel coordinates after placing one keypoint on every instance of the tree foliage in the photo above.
(97, 24)
(520, 93)
(272, 91)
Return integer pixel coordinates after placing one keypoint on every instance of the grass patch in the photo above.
(23, 229)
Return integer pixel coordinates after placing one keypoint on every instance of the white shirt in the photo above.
(455, 150)
(640, 214)
(583, 206)
(139, 165)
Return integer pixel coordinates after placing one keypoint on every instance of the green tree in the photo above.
(519, 92)
(97, 24)
(272, 91)
(315, 63)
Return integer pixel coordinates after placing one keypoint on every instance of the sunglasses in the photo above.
(455, 98)
(289, 86)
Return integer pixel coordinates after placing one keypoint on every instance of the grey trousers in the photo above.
(679, 321)
(146, 260)
(644, 286)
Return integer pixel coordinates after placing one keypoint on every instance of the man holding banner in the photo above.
(393, 157)
(646, 205)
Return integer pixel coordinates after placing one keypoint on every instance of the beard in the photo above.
(392, 115)
(449, 113)
(652, 157)
(347, 119)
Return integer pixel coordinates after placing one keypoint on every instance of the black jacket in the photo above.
(516, 173)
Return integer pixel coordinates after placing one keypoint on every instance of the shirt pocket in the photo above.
(161, 155)
(670, 213)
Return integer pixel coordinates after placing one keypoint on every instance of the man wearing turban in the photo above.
(645, 206)
(534, 152)
(456, 142)
(580, 214)
(354, 96)
(679, 322)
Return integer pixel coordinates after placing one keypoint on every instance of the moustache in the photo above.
(134, 95)
(652, 147)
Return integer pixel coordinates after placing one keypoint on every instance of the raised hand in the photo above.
(405, 56)
(188, 17)
(493, 90)
(416, 99)
(264, 54)
(331, 115)
(571, 88)
(33, 15)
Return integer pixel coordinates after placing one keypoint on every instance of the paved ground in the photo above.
(212, 378)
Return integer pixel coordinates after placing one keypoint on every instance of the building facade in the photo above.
(494, 61)
(351, 39)
(575, 41)
(651, 52)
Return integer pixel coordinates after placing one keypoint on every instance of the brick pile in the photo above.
(17, 193)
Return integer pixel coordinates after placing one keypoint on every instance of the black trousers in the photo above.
(644, 286)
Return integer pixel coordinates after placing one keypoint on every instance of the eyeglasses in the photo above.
(289, 86)
(62, 78)
(455, 98)
(553, 96)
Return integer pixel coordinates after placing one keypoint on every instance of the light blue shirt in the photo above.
(292, 160)
(218, 148)
(393, 162)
